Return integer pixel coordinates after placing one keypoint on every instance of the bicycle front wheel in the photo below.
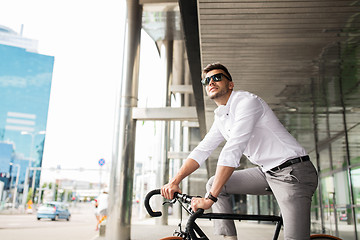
(324, 237)
(172, 238)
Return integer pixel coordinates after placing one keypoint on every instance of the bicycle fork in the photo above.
(277, 229)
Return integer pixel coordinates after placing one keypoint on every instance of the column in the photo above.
(121, 182)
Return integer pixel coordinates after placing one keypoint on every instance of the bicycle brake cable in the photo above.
(187, 209)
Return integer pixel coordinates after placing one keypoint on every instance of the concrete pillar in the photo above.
(178, 79)
(167, 58)
(122, 173)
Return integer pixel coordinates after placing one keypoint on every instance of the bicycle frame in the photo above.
(192, 228)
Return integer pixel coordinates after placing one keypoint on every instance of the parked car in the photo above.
(343, 215)
(54, 211)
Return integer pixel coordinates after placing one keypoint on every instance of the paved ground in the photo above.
(147, 229)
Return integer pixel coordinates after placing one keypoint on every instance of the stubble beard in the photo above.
(220, 94)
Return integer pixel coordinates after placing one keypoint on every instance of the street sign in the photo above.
(102, 162)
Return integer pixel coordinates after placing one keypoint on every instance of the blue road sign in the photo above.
(102, 162)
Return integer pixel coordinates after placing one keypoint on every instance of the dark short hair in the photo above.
(213, 66)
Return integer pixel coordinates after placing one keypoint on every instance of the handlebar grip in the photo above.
(147, 203)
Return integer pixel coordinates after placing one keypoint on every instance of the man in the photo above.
(250, 127)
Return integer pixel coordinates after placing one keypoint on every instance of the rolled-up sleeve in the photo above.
(212, 139)
(246, 113)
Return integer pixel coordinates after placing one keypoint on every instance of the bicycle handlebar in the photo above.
(185, 199)
(181, 197)
(147, 203)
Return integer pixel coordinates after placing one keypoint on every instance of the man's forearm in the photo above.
(222, 175)
(189, 166)
(172, 187)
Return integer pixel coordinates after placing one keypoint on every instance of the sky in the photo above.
(86, 39)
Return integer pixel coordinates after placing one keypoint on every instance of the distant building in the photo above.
(10, 38)
(6, 157)
(25, 81)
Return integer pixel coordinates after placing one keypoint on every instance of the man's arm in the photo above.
(189, 166)
(222, 175)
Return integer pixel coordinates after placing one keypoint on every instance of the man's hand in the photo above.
(168, 190)
(203, 203)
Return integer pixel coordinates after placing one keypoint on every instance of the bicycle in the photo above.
(194, 232)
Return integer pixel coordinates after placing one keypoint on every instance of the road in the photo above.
(26, 227)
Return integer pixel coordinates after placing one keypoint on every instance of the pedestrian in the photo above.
(251, 128)
(97, 214)
(102, 205)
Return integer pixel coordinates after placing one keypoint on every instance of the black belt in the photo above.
(291, 162)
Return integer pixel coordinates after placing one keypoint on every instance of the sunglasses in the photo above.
(216, 78)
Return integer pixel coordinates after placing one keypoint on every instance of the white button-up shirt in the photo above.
(251, 128)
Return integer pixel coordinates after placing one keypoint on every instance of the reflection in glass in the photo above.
(354, 145)
(336, 122)
(339, 155)
(325, 165)
(252, 204)
(345, 221)
(341, 183)
(327, 188)
(344, 215)
(315, 213)
(357, 214)
(355, 178)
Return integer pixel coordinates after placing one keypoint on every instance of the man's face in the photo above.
(216, 90)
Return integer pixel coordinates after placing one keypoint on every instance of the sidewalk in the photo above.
(148, 230)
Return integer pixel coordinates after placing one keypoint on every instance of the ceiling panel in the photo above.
(302, 57)
(279, 50)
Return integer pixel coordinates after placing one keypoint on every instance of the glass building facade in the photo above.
(25, 81)
(337, 136)
(330, 131)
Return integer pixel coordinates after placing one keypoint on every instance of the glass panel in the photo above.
(354, 145)
(336, 122)
(302, 129)
(325, 161)
(275, 209)
(355, 178)
(265, 205)
(327, 188)
(338, 149)
(342, 193)
(345, 221)
(353, 116)
(344, 216)
(322, 127)
(315, 214)
(252, 204)
(239, 203)
(357, 213)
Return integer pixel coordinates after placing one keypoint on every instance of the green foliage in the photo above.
(29, 195)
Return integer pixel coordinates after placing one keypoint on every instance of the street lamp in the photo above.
(16, 182)
(26, 183)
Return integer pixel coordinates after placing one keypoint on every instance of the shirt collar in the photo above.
(224, 109)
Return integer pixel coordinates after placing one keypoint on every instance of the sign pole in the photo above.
(101, 163)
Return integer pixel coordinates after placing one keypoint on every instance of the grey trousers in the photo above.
(292, 187)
